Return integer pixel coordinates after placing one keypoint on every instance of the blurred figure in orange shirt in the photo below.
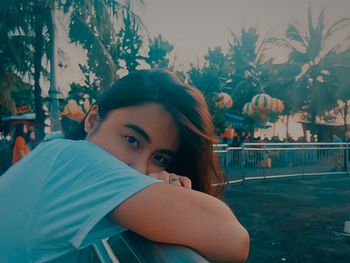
(20, 148)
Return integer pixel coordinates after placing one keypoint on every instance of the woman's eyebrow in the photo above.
(139, 130)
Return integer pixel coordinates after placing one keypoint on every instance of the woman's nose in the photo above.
(140, 166)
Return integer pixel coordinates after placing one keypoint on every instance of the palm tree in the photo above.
(211, 79)
(94, 26)
(312, 49)
(158, 51)
(40, 23)
(130, 40)
(25, 41)
(342, 62)
(250, 65)
(16, 54)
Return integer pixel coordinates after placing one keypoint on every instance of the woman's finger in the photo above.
(185, 182)
(174, 179)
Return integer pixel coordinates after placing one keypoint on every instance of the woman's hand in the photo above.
(172, 178)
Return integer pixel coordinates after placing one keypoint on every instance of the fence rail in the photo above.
(144, 250)
(275, 160)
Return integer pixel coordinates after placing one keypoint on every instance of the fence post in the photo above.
(346, 156)
(263, 162)
(243, 162)
(303, 161)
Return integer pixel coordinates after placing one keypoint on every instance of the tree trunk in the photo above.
(39, 47)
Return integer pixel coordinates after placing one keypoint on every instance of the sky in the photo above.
(194, 25)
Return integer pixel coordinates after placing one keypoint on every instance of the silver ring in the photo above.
(175, 180)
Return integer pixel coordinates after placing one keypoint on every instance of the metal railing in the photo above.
(104, 252)
(275, 160)
(144, 250)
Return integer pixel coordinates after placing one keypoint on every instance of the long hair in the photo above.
(195, 158)
(19, 131)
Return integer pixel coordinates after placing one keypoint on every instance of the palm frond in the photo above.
(337, 26)
(320, 22)
(236, 39)
(260, 51)
(122, 7)
(295, 34)
(10, 82)
(340, 46)
(283, 42)
(309, 22)
(101, 45)
(7, 101)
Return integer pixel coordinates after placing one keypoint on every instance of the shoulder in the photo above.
(82, 155)
(80, 148)
(85, 150)
(53, 136)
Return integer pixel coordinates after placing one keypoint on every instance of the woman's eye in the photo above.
(132, 140)
(161, 161)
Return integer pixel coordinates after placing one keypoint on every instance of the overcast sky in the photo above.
(194, 25)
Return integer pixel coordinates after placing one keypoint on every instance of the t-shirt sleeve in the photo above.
(86, 185)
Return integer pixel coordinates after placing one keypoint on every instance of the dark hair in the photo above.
(19, 131)
(195, 158)
(68, 125)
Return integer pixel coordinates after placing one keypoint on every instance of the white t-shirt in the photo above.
(54, 201)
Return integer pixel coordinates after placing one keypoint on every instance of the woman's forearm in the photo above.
(170, 214)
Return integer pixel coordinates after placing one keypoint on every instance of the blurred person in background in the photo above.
(21, 139)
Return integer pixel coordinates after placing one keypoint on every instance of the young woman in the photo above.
(131, 164)
(20, 148)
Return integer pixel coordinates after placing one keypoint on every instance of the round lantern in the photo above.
(223, 100)
(248, 109)
(73, 111)
(71, 107)
(277, 105)
(262, 102)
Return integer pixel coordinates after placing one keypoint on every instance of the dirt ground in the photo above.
(294, 219)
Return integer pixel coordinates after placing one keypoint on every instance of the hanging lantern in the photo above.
(71, 107)
(223, 100)
(277, 105)
(262, 102)
(248, 109)
(73, 111)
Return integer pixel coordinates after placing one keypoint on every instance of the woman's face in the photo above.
(32, 135)
(145, 137)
